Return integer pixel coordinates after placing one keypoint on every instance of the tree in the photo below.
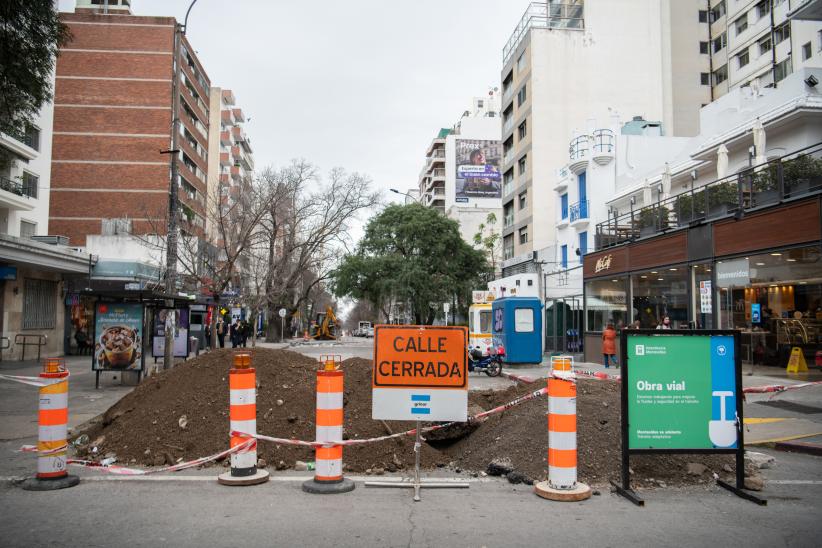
(30, 36)
(489, 240)
(413, 255)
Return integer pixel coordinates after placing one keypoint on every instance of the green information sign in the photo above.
(681, 392)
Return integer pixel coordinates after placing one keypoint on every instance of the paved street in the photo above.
(182, 510)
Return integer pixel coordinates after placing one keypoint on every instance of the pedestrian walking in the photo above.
(234, 333)
(245, 331)
(609, 345)
(221, 332)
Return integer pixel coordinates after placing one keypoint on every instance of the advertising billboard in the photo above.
(478, 169)
(118, 337)
(180, 333)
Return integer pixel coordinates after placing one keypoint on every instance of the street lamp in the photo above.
(395, 191)
(173, 206)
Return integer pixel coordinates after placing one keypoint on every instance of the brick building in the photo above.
(112, 119)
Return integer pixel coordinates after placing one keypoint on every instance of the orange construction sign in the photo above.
(414, 356)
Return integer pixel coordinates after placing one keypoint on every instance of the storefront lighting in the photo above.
(643, 277)
(707, 270)
(615, 281)
(772, 285)
(672, 269)
(660, 279)
(760, 264)
(803, 283)
(776, 254)
(791, 260)
(654, 272)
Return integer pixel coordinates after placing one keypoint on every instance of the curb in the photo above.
(800, 447)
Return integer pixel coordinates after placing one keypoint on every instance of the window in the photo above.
(718, 11)
(765, 45)
(606, 301)
(508, 247)
(480, 103)
(508, 182)
(703, 47)
(720, 74)
(703, 16)
(741, 24)
(763, 8)
(523, 164)
(659, 293)
(782, 32)
(523, 199)
(508, 214)
(39, 298)
(705, 78)
(563, 258)
(523, 235)
(720, 42)
(806, 51)
(30, 183)
(521, 62)
(522, 95)
(782, 69)
(583, 245)
(524, 320)
(563, 201)
(522, 130)
(743, 58)
(32, 137)
(27, 229)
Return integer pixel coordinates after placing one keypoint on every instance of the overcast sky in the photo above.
(361, 84)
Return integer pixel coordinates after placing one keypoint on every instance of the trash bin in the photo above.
(193, 346)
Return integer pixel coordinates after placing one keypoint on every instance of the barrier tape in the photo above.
(124, 471)
(778, 387)
(412, 432)
(32, 381)
(47, 452)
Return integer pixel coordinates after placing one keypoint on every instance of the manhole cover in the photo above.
(791, 406)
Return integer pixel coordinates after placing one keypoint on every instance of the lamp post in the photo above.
(173, 206)
(395, 191)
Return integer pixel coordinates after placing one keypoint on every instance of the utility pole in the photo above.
(173, 207)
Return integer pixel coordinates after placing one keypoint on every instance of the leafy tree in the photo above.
(414, 256)
(30, 35)
(489, 239)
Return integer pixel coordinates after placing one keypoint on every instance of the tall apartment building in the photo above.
(113, 125)
(231, 158)
(759, 42)
(588, 60)
(461, 176)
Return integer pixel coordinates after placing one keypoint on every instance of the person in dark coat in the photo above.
(221, 332)
(245, 331)
(235, 334)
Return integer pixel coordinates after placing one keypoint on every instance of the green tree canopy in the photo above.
(30, 34)
(411, 254)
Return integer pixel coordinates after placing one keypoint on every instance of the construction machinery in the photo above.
(323, 329)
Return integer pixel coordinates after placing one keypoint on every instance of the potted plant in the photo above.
(688, 208)
(722, 198)
(802, 174)
(652, 220)
(764, 186)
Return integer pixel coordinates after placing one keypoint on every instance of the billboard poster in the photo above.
(478, 169)
(681, 392)
(118, 337)
(158, 346)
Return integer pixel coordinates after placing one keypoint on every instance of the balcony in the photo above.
(18, 146)
(507, 93)
(225, 160)
(17, 196)
(579, 214)
(563, 176)
(227, 117)
(225, 138)
(545, 16)
(793, 176)
(508, 157)
(508, 125)
(603, 145)
(238, 115)
(578, 153)
(438, 175)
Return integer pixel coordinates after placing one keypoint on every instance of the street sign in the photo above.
(446, 307)
(420, 373)
(282, 312)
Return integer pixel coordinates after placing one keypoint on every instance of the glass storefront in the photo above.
(659, 293)
(606, 301)
(775, 300)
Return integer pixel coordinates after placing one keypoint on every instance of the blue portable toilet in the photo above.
(517, 326)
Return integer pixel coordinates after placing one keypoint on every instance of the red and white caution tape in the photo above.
(527, 379)
(32, 381)
(412, 432)
(45, 453)
(123, 471)
(778, 387)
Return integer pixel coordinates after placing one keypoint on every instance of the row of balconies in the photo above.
(600, 147)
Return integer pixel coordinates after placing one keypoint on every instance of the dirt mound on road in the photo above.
(144, 428)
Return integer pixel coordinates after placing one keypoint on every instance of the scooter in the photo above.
(491, 364)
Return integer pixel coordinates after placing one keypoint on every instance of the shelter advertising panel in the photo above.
(181, 328)
(118, 337)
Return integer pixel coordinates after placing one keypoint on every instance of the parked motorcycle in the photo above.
(490, 364)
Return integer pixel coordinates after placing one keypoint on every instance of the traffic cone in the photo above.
(562, 482)
(242, 383)
(52, 431)
(328, 474)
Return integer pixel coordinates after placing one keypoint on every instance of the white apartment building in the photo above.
(462, 176)
(566, 62)
(26, 178)
(761, 41)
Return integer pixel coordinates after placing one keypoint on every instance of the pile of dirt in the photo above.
(182, 414)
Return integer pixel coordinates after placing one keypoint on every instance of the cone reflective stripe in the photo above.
(328, 460)
(53, 422)
(562, 363)
(242, 383)
(562, 429)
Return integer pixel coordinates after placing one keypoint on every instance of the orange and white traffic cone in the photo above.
(328, 475)
(242, 383)
(562, 482)
(52, 431)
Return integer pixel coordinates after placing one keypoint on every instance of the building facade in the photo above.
(113, 125)
(727, 234)
(568, 61)
(757, 42)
